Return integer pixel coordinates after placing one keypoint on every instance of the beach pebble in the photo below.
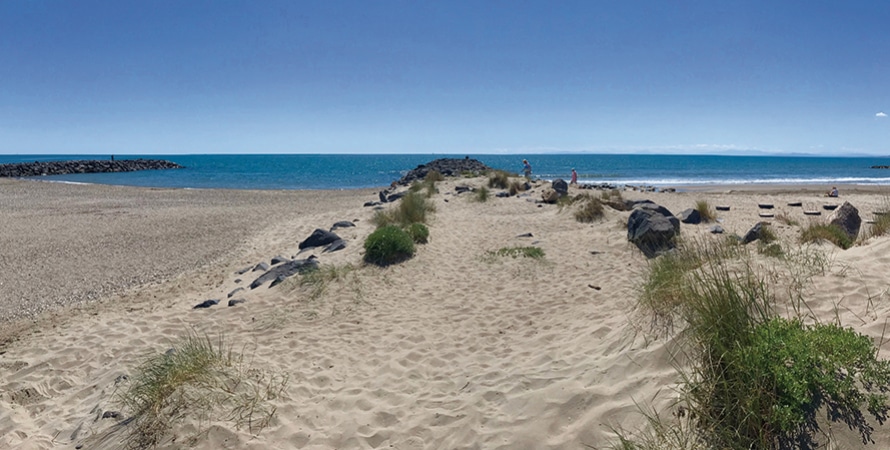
(234, 292)
(236, 301)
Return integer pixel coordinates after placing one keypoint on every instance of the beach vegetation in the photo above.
(319, 279)
(434, 176)
(817, 232)
(499, 179)
(481, 195)
(199, 378)
(517, 252)
(750, 378)
(786, 219)
(427, 186)
(589, 210)
(705, 210)
(516, 187)
(414, 207)
(881, 223)
(419, 233)
(388, 245)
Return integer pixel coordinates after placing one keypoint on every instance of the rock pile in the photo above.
(450, 167)
(38, 168)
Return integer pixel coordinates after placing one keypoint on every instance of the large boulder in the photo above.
(846, 217)
(560, 186)
(652, 228)
(755, 233)
(318, 238)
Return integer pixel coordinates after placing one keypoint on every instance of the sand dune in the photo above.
(454, 348)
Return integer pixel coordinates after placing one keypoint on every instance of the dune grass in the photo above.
(481, 195)
(817, 232)
(750, 378)
(705, 211)
(414, 207)
(199, 378)
(499, 179)
(319, 279)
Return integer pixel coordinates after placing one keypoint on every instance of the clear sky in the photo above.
(605, 76)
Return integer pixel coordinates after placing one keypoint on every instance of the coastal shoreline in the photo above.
(493, 351)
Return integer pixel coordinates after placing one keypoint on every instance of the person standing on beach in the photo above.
(527, 169)
(574, 177)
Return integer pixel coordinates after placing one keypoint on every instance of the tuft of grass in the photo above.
(591, 209)
(388, 245)
(428, 185)
(786, 219)
(481, 195)
(414, 207)
(197, 378)
(705, 211)
(881, 225)
(823, 232)
(516, 187)
(434, 176)
(499, 179)
(515, 252)
(319, 279)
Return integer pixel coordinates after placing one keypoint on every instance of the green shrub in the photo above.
(388, 245)
(419, 233)
(830, 233)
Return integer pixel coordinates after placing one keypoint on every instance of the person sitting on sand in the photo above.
(526, 168)
(574, 177)
(833, 192)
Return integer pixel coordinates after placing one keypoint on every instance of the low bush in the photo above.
(516, 187)
(388, 245)
(434, 176)
(825, 232)
(419, 233)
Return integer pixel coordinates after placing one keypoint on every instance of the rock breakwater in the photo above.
(40, 168)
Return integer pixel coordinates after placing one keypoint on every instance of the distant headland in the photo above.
(38, 168)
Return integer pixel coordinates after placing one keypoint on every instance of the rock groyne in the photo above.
(40, 168)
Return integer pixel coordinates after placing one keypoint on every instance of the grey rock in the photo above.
(286, 270)
(342, 224)
(278, 260)
(235, 292)
(690, 216)
(236, 301)
(319, 238)
(339, 244)
(206, 304)
(244, 270)
(651, 230)
(111, 415)
(846, 217)
(260, 267)
(560, 186)
(716, 229)
(755, 233)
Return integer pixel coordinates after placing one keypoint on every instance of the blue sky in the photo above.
(167, 77)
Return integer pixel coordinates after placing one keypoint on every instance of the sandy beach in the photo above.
(453, 348)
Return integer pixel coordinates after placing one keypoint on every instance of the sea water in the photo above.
(304, 171)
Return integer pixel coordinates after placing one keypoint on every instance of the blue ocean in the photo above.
(304, 171)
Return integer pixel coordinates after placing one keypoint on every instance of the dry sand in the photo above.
(451, 349)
